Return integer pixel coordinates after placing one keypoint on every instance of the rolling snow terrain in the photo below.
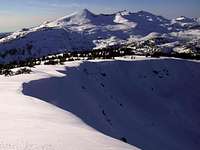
(152, 104)
(28, 123)
(84, 30)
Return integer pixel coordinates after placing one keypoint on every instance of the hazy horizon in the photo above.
(17, 14)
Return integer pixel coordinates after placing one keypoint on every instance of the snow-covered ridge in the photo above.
(150, 103)
(85, 30)
(2, 35)
(29, 123)
(185, 21)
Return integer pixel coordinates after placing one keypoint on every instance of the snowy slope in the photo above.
(191, 34)
(153, 104)
(185, 21)
(28, 123)
(150, 103)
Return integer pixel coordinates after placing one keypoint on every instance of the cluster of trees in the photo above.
(175, 54)
(9, 72)
(144, 47)
(193, 46)
(6, 69)
(17, 51)
(148, 49)
(105, 53)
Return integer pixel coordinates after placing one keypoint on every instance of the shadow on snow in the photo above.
(151, 104)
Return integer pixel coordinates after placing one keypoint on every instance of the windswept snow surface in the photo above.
(28, 123)
(152, 104)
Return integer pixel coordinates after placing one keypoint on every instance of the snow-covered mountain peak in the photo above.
(85, 19)
(185, 21)
(85, 12)
(84, 30)
(82, 17)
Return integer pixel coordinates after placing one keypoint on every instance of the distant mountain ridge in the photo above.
(84, 30)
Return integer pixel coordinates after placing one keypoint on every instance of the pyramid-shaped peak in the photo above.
(85, 12)
(82, 16)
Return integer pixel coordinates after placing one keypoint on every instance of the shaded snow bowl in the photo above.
(153, 104)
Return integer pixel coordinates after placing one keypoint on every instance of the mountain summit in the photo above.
(84, 30)
(79, 18)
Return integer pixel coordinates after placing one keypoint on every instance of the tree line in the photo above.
(104, 53)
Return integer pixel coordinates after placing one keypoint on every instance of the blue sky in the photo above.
(16, 14)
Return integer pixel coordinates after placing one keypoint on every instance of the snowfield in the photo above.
(152, 104)
(28, 123)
